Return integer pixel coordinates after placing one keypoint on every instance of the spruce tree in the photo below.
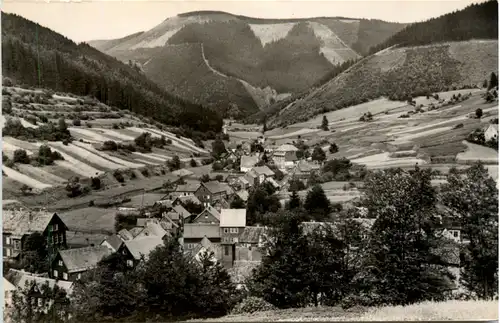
(493, 81)
(324, 124)
(295, 202)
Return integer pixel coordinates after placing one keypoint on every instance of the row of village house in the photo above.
(217, 228)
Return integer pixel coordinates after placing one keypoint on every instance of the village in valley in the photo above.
(122, 202)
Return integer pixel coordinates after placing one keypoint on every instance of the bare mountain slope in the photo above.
(271, 58)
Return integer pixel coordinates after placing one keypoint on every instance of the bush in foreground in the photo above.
(252, 304)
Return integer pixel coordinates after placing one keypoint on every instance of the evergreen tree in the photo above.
(317, 204)
(237, 203)
(281, 278)
(218, 148)
(63, 127)
(294, 202)
(193, 163)
(324, 124)
(474, 200)
(402, 266)
(493, 81)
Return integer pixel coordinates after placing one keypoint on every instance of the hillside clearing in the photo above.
(23, 179)
(86, 155)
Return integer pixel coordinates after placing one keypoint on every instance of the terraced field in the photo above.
(434, 138)
(83, 158)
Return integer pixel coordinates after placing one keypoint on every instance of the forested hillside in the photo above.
(430, 62)
(478, 21)
(37, 56)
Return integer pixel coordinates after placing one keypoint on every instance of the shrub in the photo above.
(169, 141)
(110, 145)
(116, 126)
(77, 122)
(21, 156)
(65, 142)
(193, 163)
(479, 113)
(119, 176)
(251, 305)
(458, 126)
(145, 172)
(95, 183)
(46, 156)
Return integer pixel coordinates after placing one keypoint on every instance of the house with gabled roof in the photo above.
(70, 264)
(251, 242)
(183, 213)
(113, 242)
(232, 224)
(195, 232)
(285, 156)
(137, 249)
(125, 234)
(205, 245)
(490, 132)
(208, 215)
(247, 162)
(153, 229)
(212, 191)
(187, 189)
(19, 224)
(17, 280)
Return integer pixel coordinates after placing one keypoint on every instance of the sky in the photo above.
(84, 20)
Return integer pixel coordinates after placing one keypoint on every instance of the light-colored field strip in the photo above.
(90, 134)
(116, 134)
(40, 174)
(28, 146)
(477, 152)
(182, 141)
(8, 149)
(23, 179)
(424, 133)
(146, 162)
(384, 160)
(86, 155)
(106, 156)
(295, 133)
(74, 164)
(160, 159)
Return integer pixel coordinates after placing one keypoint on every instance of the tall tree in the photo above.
(324, 124)
(474, 200)
(218, 148)
(317, 203)
(401, 266)
(294, 202)
(493, 81)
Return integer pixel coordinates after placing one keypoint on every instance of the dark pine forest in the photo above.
(36, 56)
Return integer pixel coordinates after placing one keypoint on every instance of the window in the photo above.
(235, 240)
(226, 230)
(40, 302)
(130, 263)
(226, 250)
(234, 230)
(79, 276)
(16, 244)
(7, 240)
(455, 234)
(65, 276)
(8, 252)
(54, 227)
(124, 252)
(60, 262)
(56, 274)
(56, 239)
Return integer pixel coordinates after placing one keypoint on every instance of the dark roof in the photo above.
(210, 210)
(252, 234)
(83, 259)
(188, 188)
(84, 239)
(215, 187)
(200, 230)
(182, 211)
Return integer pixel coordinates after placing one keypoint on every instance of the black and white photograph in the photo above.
(249, 161)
